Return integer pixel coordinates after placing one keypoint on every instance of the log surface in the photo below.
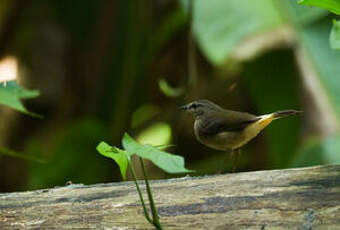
(304, 198)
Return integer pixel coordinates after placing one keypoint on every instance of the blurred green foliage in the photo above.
(12, 93)
(72, 157)
(168, 90)
(280, 93)
(98, 66)
(157, 134)
(317, 151)
(335, 35)
(221, 25)
(143, 114)
(8, 152)
(333, 6)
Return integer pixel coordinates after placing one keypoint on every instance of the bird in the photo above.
(227, 130)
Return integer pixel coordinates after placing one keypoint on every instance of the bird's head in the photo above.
(200, 107)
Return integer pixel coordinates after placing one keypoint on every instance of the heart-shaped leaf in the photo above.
(119, 156)
(168, 162)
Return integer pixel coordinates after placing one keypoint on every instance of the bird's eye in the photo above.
(195, 105)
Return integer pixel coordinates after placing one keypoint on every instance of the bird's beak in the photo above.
(183, 107)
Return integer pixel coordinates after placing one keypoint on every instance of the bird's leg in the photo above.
(225, 160)
(235, 155)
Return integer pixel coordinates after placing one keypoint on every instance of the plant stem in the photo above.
(152, 203)
(140, 194)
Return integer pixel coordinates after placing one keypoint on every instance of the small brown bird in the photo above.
(224, 129)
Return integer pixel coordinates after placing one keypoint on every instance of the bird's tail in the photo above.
(285, 113)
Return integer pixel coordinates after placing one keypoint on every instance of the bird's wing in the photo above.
(231, 121)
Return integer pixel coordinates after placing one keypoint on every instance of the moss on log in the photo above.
(304, 198)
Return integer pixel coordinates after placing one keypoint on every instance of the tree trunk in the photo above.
(304, 198)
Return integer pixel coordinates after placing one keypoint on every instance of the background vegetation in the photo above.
(107, 67)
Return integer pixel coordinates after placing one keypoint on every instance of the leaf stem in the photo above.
(9, 152)
(152, 203)
(140, 193)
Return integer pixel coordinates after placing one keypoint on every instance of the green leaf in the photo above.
(163, 147)
(11, 94)
(118, 155)
(166, 161)
(335, 35)
(221, 25)
(331, 5)
(222, 28)
(325, 60)
(169, 90)
(300, 14)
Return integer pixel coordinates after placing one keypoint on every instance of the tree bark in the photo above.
(303, 198)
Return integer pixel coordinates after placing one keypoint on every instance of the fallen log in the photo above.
(302, 198)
